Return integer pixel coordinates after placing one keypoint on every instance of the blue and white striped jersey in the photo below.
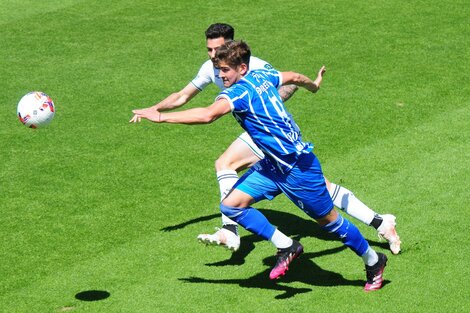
(258, 108)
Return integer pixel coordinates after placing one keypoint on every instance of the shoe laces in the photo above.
(284, 255)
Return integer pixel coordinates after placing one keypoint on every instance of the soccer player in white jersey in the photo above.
(243, 153)
(289, 165)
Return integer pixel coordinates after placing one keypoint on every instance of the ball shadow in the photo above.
(92, 295)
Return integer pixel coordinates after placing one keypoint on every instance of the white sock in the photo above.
(226, 178)
(370, 257)
(227, 221)
(280, 240)
(347, 201)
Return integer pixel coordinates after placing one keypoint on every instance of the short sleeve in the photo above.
(203, 77)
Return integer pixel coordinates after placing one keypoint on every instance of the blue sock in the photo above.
(251, 219)
(349, 235)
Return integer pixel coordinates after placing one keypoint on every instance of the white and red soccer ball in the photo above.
(36, 109)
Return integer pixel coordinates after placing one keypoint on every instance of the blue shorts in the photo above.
(304, 184)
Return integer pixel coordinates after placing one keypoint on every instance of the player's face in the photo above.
(230, 75)
(213, 45)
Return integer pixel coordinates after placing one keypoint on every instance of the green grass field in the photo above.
(95, 203)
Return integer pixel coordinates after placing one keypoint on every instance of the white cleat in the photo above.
(222, 237)
(387, 231)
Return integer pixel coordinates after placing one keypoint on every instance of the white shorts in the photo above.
(247, 139)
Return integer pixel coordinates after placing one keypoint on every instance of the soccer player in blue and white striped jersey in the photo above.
(289, 166)
(243, 152)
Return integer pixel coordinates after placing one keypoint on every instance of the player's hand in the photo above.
(135, 119)
(319, 78)
(149, 113)
(321, 71)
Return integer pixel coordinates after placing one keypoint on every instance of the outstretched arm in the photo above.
(287, 91)
(192, 116)
(303, 81)
(177, 99)
(173, 101)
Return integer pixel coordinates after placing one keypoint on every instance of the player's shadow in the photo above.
(302, 270)
(290, 224)
(190, 222)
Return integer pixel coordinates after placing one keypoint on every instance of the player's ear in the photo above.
(243, 68)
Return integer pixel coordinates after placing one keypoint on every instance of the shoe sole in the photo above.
(209, 242)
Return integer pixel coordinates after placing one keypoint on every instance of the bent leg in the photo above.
(345, 200)
(251, 187)
(237, 207)
(240, 155)
(251, 219)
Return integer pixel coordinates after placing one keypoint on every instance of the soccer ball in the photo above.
(35, 109)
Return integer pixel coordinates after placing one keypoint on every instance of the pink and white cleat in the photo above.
(284, 258)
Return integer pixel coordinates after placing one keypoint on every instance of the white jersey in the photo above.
(209, 74)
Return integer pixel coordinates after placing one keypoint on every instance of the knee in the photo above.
(335, 225)
(230, 211)
(223, 163)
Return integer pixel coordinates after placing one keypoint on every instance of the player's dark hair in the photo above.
(234, 53)
(218, 30)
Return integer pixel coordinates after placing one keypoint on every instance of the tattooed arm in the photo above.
(287, 91)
